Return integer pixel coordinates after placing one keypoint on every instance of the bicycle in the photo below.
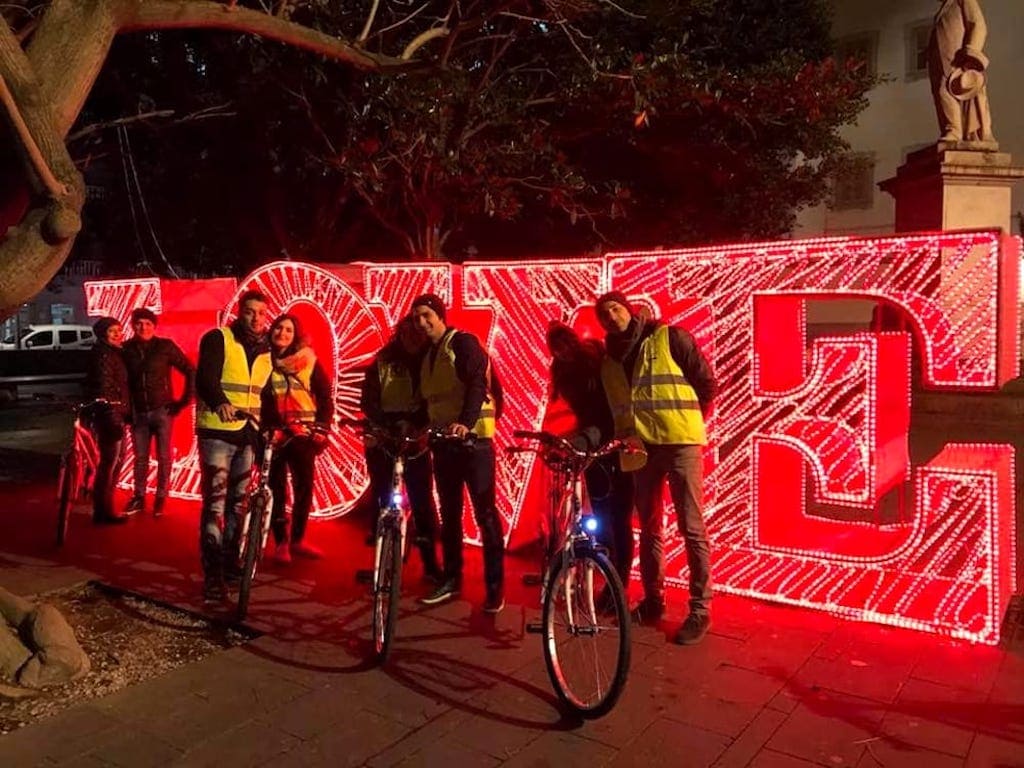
(391, 539)
(584, 614)
(255, 518)
(77, 471)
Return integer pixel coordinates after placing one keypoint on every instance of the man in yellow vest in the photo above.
(455, 382)
(659, 386)
(234, 366)
(390, 399)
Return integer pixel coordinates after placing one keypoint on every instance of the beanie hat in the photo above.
(431, 300)
(618, 297)
(104, 324)
(142, 313)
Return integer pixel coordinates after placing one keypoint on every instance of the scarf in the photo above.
(621, 345)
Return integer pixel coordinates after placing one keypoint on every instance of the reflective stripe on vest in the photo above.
(445, 393)
(242, 386)
(660, 407)
(293, 394)
(396, 391)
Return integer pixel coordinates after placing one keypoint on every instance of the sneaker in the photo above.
(283, 553)
(494, 604)
(693, 629)
(648, 611)
(158, 506)
(447, 591)
(307, 551)
(214, 590)
(135, 505)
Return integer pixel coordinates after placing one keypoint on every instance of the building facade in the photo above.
(891, 37)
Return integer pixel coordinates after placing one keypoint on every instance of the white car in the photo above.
(52, 337)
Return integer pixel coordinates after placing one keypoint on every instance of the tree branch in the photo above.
(201, 14)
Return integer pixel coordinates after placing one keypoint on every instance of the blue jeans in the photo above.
(146, 426)
(226, 469)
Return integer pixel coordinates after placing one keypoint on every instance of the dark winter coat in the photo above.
(149, 366)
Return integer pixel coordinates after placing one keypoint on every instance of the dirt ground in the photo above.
(127, 640)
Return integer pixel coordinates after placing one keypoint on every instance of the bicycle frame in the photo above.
(397, 510)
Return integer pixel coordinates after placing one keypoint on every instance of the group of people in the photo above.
(132, 382)
(647, 382)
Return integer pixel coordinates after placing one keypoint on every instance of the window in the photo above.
(854, 184)
(67, 337)
(861, 47)
(86, 335)
(917, 37)
(41, 339)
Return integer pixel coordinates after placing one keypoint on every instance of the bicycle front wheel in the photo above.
(586, 632)
(252, 545)
(386, 591)
(67, 490)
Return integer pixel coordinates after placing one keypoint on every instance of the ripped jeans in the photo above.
(226, 469)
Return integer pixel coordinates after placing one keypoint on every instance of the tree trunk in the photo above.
(50, 83)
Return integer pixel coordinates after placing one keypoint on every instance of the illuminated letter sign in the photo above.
(811, 496)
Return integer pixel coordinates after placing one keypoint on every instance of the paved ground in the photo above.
(770, 686)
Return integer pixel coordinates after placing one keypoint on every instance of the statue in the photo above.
(956, 67)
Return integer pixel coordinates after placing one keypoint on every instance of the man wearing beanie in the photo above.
(107, 380)
(659, 386)
(461, 393)
(149, 359)
(234, 366)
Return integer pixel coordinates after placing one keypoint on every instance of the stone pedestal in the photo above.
(954, 185)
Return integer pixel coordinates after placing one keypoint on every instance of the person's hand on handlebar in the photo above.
(457, 430)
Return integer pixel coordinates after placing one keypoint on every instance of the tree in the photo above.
(50, 58)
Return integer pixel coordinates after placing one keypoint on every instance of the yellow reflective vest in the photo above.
(293, 395)
(660, 407)
(242, 386)
(445, 393)
(397, 394)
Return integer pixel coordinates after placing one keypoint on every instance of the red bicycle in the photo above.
(78, 464)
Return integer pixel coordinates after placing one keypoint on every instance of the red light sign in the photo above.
(809, 439)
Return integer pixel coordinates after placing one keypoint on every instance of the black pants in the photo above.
(418, 486)
(611, 498)
(298, 456)
(472, 467)
(109, 439)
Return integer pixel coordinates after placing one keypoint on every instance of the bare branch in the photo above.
(422, 39)
(201, 14)
(94, 127)
(369, 22)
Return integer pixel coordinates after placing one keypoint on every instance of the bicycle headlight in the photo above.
(396, 498)
(590, 524)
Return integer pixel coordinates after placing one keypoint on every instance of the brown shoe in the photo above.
(693, 629)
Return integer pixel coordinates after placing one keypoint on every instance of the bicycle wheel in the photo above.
(387, 591)
(67, 490)
(586, 644)
(251, 546)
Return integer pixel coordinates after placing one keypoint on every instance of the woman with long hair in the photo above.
(304, 404)
(576, 378)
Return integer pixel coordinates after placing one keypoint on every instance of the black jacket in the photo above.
(149, 366)
(107, 378)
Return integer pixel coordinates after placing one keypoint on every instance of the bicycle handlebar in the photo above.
(561, 445)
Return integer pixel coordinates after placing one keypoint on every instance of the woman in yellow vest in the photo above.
(303, 406)
(390, 399)
(659, 385)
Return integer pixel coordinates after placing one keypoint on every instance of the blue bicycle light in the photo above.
(396, 498)
(590, 524)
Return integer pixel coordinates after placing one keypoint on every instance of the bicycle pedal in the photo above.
(364, 576)
(535, 628)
